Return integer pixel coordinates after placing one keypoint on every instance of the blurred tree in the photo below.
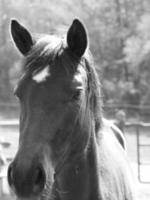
(118, 31)
(137, 51)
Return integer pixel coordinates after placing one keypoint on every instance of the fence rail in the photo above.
(109, 106)
(138, 126)
(134, 124)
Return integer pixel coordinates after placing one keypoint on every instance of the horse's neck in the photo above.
(87, 172)
(93, 169)
(101, 173)
(80, 179)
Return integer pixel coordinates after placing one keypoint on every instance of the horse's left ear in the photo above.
(77, 38)
(21, 37)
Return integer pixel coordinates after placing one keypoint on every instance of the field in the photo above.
(10, 133)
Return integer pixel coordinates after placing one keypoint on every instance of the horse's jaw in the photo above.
(33, 198)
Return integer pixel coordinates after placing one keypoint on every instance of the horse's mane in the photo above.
(44, 52)
(52, 50)
(94, 91)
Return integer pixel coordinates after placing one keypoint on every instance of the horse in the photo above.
(67, 150)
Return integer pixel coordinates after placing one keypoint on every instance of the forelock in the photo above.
(43, 53)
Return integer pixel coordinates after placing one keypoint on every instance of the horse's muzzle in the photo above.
(26, 183)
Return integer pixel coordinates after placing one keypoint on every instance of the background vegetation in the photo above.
(119, 32)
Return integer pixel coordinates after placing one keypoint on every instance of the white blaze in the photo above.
(42, 75)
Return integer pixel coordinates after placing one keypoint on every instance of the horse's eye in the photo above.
(76, 95)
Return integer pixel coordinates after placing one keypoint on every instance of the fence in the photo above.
(133, 112)
(5, 192)
(140, 145)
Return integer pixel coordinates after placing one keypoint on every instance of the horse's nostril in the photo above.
(10, 174)
(39, 180)
(19, 180)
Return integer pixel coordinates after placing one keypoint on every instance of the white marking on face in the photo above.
(42, 75)
(80, 78)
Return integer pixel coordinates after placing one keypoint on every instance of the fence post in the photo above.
(138, 149)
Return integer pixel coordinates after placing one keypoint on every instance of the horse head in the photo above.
(59, 108)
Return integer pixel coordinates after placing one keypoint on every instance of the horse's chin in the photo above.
(33, 198)
(40, 197)
(46, 194)
(37, 198)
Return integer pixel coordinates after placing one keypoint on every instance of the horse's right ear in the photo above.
(77, 39)
(21, 37)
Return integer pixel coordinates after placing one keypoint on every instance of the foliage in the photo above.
(119, 40)
(136, 51)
